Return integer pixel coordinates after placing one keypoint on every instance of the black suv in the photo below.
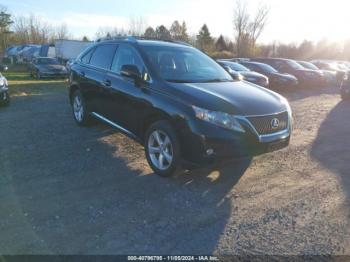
(177, 102)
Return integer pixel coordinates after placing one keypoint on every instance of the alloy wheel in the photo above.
(78, 108)
(160, 149)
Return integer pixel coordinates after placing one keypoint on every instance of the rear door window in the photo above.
(103, 56)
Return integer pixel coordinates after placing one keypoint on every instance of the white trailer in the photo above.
(70, 49)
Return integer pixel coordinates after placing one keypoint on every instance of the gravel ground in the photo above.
(71, 190)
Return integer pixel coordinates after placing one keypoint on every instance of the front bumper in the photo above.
(208, 143)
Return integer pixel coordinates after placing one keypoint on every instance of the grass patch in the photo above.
(21, 84)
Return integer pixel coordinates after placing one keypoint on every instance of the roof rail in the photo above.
(164, 40)
(111, 38)
(135, 38)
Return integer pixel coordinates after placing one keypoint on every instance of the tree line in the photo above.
(247, 28)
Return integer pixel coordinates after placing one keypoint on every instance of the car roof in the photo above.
(144, 41)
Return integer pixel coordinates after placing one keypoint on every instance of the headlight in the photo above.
(218, 118)
(240, 77)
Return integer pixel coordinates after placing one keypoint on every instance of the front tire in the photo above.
(80, 113)
(162, 149)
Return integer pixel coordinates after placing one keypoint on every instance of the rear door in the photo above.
(94, 74)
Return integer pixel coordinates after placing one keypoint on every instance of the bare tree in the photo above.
(248, 29)
(240, 23)
(62, 32)
(137, 26)
(258, 24)
(110, 31)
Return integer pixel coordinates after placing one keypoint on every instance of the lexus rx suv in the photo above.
(181, 105)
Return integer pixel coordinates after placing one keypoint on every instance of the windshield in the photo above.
(294, 64)
(236, 66)
(184, 65)
(309, 65)
(47, 61)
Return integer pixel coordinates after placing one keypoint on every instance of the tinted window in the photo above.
(127, 55)
(86, 58)
(103, 56)
(184, 64)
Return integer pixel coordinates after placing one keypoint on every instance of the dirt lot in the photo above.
(71, 190)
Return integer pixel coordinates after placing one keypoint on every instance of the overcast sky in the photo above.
(289, 20)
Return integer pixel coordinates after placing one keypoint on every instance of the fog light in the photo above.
(210, 151)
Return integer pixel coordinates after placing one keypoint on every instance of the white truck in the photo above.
(69, 49)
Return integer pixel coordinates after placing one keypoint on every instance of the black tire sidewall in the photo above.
(164, 126)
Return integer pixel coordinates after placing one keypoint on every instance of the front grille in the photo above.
(264, 124)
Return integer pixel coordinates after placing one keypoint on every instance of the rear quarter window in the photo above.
(86, 57)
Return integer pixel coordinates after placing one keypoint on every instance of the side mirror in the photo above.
(131, 71)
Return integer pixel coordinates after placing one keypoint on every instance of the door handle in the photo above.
(107, 83)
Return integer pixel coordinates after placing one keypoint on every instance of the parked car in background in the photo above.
(248, 75)
(177, 102)
(331, 66)
(345, 89)
(276, 79)
(28, 53)
(329, 76)
(306, 77)
(47, 67)
(4, 94)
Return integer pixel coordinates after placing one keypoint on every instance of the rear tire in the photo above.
(81, 115)
(162, 149)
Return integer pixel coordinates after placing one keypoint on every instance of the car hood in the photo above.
(237, 97)
(50, 67)
(251, 74)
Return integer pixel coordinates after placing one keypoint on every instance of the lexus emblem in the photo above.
(275, 123)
